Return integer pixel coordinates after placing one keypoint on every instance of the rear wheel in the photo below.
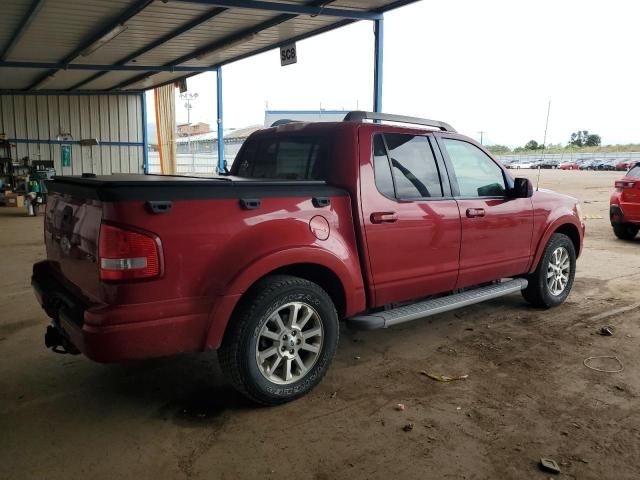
(551, 283)
(625, 231)
(281, 341)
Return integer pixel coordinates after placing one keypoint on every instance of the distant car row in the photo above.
(588, 164)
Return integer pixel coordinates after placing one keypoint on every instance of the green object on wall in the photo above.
(65, 152)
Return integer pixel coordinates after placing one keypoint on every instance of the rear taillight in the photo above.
(127, 255)
(621, 184)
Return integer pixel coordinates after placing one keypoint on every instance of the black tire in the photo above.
(238, 351)
(625, 231)
(538, 292)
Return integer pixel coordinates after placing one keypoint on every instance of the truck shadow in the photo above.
(187, 390)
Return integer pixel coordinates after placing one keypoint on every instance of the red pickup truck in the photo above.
(363, 220)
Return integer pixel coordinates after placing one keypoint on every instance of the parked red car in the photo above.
(569, 166)
(624, 165)
(624, 210)
(370, 222)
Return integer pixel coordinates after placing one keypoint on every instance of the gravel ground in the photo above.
(527, 395)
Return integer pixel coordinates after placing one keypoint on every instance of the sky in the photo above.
(490, 65)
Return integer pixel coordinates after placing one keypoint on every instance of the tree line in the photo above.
(579, 139)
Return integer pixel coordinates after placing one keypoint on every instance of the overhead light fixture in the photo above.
(107, 37)
(226, 46)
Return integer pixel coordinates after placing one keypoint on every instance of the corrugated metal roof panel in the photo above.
(65, 78)
(62, 27)
(17, 78)
(108, 80)
(154, 80)
(13, 12)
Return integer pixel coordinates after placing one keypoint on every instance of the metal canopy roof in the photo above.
(106, 45)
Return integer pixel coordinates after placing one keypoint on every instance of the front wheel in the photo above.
(550, 284)
(282, 340)
(625, 231)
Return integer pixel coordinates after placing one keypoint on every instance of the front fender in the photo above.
(557, 220)
(347, 270)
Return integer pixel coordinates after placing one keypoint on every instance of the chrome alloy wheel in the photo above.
(289, 343)
(558, 271)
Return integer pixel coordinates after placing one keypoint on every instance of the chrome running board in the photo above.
(426, 308)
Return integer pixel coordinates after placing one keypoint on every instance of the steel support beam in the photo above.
(220, 122)
(291, 8)
(113, 68)
(31, 14)
(156, 43)
(378, 31)
(145, 134)
(126, 15)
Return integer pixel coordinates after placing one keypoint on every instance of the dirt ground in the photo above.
(528, 394)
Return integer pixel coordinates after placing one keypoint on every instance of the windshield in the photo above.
(282, 157)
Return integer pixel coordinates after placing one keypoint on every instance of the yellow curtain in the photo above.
(165, 101)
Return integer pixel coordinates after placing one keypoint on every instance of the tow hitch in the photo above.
(56, 340)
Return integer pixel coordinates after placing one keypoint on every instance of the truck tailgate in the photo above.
(72, 229)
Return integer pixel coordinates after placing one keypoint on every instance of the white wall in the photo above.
(111, 119)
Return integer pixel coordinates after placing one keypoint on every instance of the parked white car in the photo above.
(526, 165)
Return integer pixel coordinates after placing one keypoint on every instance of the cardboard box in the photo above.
(14, 200)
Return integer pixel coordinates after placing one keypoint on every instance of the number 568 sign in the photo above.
(288, 54)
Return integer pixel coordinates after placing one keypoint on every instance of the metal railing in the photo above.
(568, 157)
(196, 163)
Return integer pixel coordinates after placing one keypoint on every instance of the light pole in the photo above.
(189, 98)
(482, 132)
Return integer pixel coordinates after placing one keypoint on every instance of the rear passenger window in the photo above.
(411, 162)
(634, 172)
(382, 170)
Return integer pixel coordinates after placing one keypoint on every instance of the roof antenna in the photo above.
(544, 144)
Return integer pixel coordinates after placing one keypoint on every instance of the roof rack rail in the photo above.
(360, 116)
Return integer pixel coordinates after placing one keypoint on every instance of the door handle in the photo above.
(475, 212)
(384, 217)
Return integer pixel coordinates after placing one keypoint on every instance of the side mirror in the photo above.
(522, 188)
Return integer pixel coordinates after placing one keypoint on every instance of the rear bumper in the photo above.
(617, 214)
(119, 333)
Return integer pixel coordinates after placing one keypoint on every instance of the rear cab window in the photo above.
(634, 172)
(283, 157)
(405, 167)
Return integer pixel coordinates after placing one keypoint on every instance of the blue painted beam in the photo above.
(145, 135)
(296, 9)
(47, 93)
(220, 122)
(156, 43)
(113, 68)
(74, 142)
(378, 30)
(31, 14)
(126, 15)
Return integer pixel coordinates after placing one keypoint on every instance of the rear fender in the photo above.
(350, 277)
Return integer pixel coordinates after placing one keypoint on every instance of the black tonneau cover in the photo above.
(123, 187)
